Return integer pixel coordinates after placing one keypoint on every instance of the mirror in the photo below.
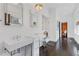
(13, 13)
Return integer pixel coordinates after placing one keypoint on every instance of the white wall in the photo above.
(52, 24)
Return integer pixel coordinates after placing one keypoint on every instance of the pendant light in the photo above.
(38, 7)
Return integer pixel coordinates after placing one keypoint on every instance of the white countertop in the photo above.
(12, 44)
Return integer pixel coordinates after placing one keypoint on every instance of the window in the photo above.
(77, 28)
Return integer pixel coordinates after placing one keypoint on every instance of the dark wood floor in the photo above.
(50, 50)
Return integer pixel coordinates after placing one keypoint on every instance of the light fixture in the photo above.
(38, 7)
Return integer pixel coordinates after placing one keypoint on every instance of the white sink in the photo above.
(13, 44)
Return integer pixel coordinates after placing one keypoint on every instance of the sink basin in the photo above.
(17, 38)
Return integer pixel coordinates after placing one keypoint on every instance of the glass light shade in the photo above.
(38, 7)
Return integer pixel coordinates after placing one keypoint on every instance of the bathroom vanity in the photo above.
(13, 46)
(22, 46)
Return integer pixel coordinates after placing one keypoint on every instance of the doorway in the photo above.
(64, 29)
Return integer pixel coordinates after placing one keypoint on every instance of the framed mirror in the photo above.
(13, 13)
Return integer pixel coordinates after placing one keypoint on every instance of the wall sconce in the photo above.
(38, 7)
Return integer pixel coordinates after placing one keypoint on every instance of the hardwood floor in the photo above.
(50, 49)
